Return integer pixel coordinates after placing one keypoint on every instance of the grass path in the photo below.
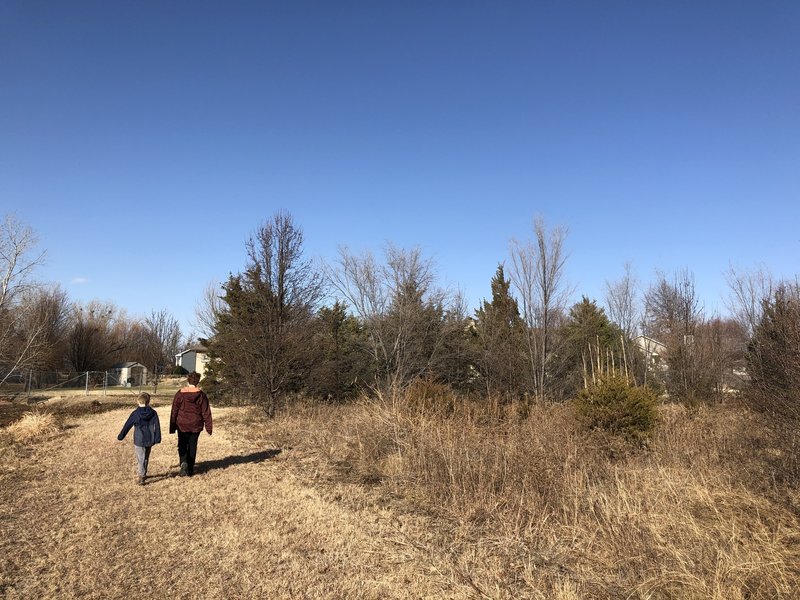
(74, 524)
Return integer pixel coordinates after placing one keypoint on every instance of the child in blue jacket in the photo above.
(146, 433)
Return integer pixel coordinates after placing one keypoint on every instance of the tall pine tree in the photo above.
(499, 335)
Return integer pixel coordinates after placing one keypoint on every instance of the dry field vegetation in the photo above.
(396, 499)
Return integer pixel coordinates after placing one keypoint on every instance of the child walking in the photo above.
(146, 433)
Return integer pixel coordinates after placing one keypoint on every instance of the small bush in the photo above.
(615, 406)
(179, 370)
(32, 424)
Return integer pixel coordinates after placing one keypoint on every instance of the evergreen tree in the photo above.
(591, 345)
(414, 321)
(263, 329)
(774, 353)
(341, 365)
(499, 333)
(774, 367)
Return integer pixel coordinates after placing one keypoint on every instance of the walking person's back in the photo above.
(191, 413)
(146, 433)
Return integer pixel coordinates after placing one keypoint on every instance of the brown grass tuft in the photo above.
(31, 425)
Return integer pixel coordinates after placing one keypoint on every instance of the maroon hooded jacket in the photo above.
(190, 412)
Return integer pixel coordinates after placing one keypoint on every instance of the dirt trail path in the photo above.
(77, 525)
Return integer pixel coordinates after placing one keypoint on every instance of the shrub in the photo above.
(179, 370)
(615, 406)
(32, 424)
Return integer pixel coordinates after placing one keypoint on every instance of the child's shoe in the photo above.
(141, 481)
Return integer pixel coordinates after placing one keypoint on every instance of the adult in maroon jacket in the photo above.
(190, 413)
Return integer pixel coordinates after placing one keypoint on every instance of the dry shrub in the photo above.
(520, 467)
(426, 396)
(31, 425)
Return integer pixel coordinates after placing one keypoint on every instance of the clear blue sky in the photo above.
(145, 141)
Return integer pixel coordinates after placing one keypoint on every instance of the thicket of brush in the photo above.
(536, 504)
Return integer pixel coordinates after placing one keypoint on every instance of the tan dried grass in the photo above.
(372, 501)
(32, 425)
(74, 524)
(538, 508)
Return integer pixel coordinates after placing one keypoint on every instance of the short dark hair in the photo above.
(193, 378)
(144, 398)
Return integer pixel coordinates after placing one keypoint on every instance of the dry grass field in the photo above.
(374, 500)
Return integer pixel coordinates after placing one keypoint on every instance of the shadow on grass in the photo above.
(229, 461)
(160, 477)
(222, 463)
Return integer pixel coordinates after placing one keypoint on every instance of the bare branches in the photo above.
(99, 332)
(537, 272)
(621, 302)
(163, 336)
(404, 314)
(673, 307)
(18, 259)
(28, 313)
(749, 290)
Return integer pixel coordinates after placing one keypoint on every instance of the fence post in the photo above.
(30, 380)
(87, 383)
(105, 382)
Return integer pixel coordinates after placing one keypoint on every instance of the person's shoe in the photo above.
(184, 469)
(141, 481)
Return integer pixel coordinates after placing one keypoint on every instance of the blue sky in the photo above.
(144, 142)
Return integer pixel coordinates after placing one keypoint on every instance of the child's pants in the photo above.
(142, 457)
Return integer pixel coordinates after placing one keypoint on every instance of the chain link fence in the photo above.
(90, 382)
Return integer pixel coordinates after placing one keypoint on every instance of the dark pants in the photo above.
(187, 448)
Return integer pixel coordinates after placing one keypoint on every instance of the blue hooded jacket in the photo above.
(146, 427)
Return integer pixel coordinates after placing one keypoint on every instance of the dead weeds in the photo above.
(369, 501)
(537, 508)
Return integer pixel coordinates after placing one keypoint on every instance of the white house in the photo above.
(652, 349)
(128, 373)
(194, 358)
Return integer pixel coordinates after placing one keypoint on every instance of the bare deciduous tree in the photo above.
(359, 279)
(33, 340)
(537, 272)
(622, 302)
(18, 259)
(673, 313)
(263, 328)
(165, 333)
(98, 333)
(208, 310)
(407, 319)
(719, 355)
(749, 290)
(155, 341)
(24, 320)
